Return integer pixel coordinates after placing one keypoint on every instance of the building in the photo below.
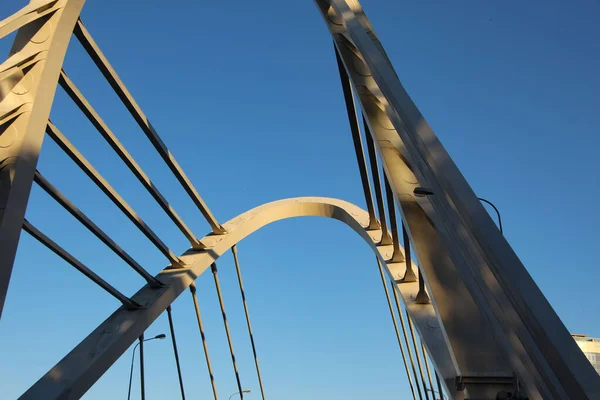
(591, 349)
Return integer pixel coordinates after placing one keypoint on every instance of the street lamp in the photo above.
(423, 192)
(443, 397)
(495, 209)
(243, 391)
(160, 336)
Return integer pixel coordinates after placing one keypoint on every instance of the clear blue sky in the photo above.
(247, 97)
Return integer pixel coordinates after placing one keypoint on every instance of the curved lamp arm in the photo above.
(243, 391)
(160, 336)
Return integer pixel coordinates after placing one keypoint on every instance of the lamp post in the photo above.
(243, 391)
(422, 192)
(160, 336)
(442, 396)
(495, 209)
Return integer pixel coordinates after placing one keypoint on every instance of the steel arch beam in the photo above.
(468, 251)
(473, 348)
(79, 370)
(28, 81)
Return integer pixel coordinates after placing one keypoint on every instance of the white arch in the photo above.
(86, 363)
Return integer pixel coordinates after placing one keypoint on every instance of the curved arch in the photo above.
(86, 363)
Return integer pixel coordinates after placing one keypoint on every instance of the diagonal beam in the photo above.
(62, 253)
(385, 237)
(356, 139)
(112, 194)
(409, 275)
(92, 227)
(118, 86)
(87, 109)
(391, 203)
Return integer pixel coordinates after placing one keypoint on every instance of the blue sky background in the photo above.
(246, 95)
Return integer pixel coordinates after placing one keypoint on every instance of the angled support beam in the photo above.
(356, 139)
(62, 253)
(92, 227)
(397, 256)
(422, 297)
(385, 237)
(409, 275)
(115, 82)
(87, 109)
(109, 191)
(26, 96)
